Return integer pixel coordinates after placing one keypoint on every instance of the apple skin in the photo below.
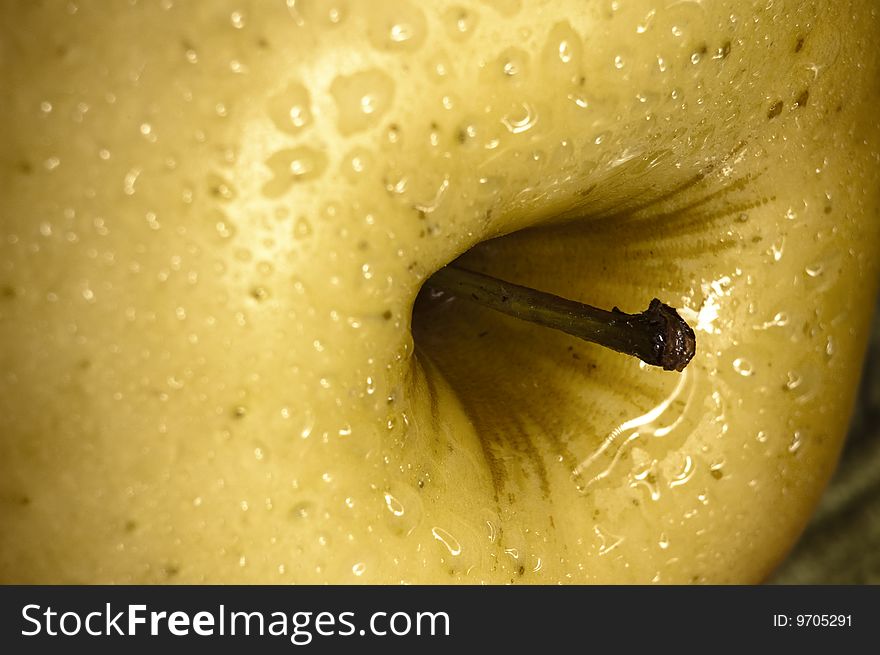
(216, 218)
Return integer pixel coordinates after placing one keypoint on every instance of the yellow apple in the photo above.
(217, 218)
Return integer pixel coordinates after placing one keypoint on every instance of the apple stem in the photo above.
(658, 336)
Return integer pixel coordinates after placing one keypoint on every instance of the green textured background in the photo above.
(842, 543)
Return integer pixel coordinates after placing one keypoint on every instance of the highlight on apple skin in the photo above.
(216, 219)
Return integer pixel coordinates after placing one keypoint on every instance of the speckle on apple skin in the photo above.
(224, 413)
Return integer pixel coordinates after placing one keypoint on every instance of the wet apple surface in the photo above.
(217, 218)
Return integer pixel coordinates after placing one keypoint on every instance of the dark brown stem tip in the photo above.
(674, 341)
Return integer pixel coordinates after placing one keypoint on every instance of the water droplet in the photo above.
(400, 32)
(308, 425)
(467, 133)
(396, 183)
(829, 347)
(321, 12)
(565, 55)
(220, 188)
(224, 227)
(511, 65)
(448, 540)
(460, 23)
(777, 249)
(685, 474)
(563, 52)
(823, 275)
(356, 163)
(237, 67)
(797, 439)
(237, 19)
(359, 569)
(643, 27)
(368, 106)
(393, 505)
(579, 100)
(303, 228)
(400, 26)
(302, 510)
(362, 99)
(521, 119)
(780, 319)
(662, 420)
(607, 541)
(404, 509)
(293, 165)
(290, 110)
(645, 477)
(743, 367)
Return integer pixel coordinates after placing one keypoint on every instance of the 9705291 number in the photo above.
(823, 620)
(813, 620)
